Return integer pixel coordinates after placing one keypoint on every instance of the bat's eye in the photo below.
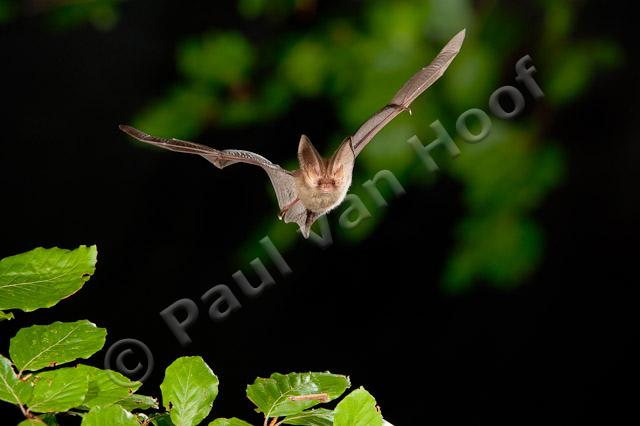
(325, 183)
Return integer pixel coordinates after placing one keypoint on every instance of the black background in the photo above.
(557, 350)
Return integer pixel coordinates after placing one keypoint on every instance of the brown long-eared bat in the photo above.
(320, 184)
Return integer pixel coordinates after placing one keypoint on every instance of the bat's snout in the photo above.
(326, 185)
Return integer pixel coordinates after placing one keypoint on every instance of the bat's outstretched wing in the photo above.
(281, 179)
(408, 93)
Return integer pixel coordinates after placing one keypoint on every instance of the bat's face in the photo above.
(326, 183)
(325, 176)
(321, 184)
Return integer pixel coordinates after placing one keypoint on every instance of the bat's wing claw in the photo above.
(285, 209)
(402, 108)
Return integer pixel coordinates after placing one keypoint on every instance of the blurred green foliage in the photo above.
(506, 176)
(200, 60)
(357, 62)
(7, 10)
(64, 14)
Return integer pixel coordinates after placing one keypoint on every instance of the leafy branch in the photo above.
(43, 376)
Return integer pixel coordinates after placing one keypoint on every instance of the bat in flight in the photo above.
(320, 184)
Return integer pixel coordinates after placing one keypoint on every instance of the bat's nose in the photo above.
(326, 185)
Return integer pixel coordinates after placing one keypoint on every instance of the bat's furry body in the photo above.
(320, 185)
(320, 202)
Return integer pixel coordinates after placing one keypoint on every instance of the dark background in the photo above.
(556, 349)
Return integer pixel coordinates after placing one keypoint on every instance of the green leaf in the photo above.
(229, 422)
(472, 77)
(101, 14)
(138, 402)
(162, 420)
(5, 316)
(271, 395)
(319, 417)
(357, 409)
(559, 20)
(42, 277)
(182, 114)
(401, 23)
(59, 390)
(49, 419)
(448, 17)
(217, 59)
(12, 389)
(107, 387)
(305, 66)
(7, 10)
(251, 9)
(571, 75)
(500, 248)
(41, 346)
(188, 390)
(45, 419)
(113, 415)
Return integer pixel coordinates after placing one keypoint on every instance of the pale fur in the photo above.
(317, 201)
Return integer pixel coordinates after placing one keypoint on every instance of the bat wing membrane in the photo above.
(417, 84)
(282, 180)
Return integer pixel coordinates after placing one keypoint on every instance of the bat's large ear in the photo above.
(343, 158)
(310, 160)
